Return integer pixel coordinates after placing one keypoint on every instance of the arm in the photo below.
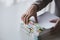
(41, 4)
(34, 8)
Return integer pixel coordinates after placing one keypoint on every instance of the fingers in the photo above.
(57, 23)
(56, 28)
(25, 18)
(54, 20)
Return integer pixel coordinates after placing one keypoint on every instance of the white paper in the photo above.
(44, 20)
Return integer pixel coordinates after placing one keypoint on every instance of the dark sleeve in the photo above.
(41, 4)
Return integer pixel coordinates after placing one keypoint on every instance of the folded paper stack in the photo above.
(32, 29)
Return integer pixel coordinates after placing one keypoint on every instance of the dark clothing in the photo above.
(57, 9)
(43, 3)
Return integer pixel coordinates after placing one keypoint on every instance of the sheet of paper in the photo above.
(45, 18)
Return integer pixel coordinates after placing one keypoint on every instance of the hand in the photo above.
(30, 12)
(26, 17)
(56, 29)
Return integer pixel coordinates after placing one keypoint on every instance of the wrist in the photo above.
(33, 8)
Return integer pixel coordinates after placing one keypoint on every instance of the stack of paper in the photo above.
(32, 30)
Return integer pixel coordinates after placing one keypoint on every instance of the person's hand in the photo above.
(56, 28)
(29, 13)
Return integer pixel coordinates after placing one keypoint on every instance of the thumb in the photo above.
(57, 23)
(35, 16)
(53, 21)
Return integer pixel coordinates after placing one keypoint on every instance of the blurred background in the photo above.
(10, 17)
